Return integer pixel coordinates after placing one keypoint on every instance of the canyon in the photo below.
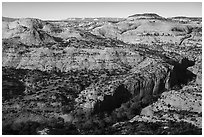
(136, 75)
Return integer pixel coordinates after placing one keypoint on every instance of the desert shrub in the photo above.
(67, 109)
(88, 124)
(176, 128)
(7, 130)
(11, 88)
(56, 122)
(67, 129)
(102, 32)
(178, 29)
(27, 128)
(108, 119)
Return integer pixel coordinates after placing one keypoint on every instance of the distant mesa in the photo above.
(100, 19)
(186, 18)
(135, 16)
(146, 16)
(7, 19)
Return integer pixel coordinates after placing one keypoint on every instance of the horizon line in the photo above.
(103, 17)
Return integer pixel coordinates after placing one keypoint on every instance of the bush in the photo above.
(28, 128)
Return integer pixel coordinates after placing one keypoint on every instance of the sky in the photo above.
(64, 10)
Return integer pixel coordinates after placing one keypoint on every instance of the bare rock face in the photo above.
(69, 58)
(142, 87)
(28, 31)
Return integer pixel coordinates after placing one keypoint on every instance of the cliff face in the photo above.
(139, 87)
(140, 75)
(69, 58)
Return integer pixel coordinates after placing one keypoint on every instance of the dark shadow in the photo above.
(58, 39)
(111, 102)
(12, 88)
(180, 75)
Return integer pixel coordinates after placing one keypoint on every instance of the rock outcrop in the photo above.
(140, 88)
(28, 31)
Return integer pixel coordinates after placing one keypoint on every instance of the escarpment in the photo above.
(134, 90)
